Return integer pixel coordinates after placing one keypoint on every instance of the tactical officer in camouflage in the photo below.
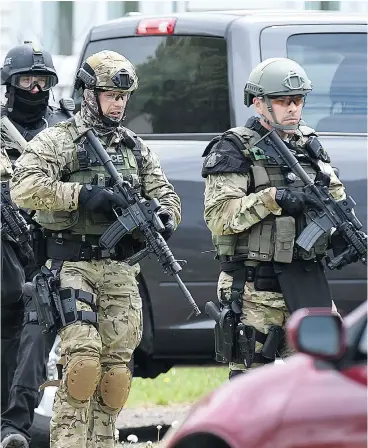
(254, 209)
(59, 177)
(28, 74)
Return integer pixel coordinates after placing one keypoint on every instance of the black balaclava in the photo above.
(28, 108)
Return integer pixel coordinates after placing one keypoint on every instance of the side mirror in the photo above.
(318, 332)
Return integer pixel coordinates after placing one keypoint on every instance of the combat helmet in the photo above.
(24, 59)
(107, 70)
(276, 77)
(28, 58)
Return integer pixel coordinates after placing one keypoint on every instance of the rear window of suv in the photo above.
(183, 83)
(336, 63)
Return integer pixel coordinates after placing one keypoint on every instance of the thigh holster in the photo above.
(56, 307)
(68, 309)
(247, 336)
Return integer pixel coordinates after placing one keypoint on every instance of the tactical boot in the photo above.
(234, 373)
(14, 441)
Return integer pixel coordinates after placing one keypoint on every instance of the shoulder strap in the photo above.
(134, 144)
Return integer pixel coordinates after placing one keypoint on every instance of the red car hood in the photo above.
(246, 411)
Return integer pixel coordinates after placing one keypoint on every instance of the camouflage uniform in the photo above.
(48, 178)
(6, 169)
(241, 215)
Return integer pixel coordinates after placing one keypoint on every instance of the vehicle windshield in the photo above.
(337, 65)
(183, 83)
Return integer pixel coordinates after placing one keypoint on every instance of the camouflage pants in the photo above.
(260, 309)
(78, 422)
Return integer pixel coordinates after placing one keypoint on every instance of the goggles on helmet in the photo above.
(27, 81)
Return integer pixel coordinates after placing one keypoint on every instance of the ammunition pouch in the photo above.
(284, 239)
(86, 248)
(265, 278)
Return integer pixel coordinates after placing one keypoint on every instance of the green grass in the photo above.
(180, 385)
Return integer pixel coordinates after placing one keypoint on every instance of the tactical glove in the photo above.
(98, 199)
(294, 203)
(168, 221)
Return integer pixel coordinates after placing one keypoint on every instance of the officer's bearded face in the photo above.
(287, 109)
(113, 104)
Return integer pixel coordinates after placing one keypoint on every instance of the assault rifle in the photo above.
(13, 224)
(137, 214)
(330, 213)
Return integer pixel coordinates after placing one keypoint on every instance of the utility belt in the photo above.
(302, 283)
(262, 274)
(56, 307)
(68, 247)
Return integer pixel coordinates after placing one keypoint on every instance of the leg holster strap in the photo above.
(78, 294)
(246, 338)
(68, 298)
(241, 274)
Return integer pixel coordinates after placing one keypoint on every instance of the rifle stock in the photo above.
(10, 136)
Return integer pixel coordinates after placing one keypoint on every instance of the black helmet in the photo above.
(27, 58)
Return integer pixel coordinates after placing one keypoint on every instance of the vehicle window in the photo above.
(336, 63)
(183, 85)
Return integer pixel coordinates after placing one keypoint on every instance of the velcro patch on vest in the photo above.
(213, 159)
(258, 153)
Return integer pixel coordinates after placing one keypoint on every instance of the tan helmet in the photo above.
(107, 70)
(276, 77)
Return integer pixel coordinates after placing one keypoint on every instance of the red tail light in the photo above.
(156, 26)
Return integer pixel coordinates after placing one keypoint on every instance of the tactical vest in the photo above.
(52, 116)
(86, 170)
(273, 238)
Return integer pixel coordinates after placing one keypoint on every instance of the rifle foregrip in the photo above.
(136, 258)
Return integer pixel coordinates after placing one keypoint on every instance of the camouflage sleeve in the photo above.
(336, 189)
(36, 182)
(228, 208)
(6, 170)
(156, 185)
